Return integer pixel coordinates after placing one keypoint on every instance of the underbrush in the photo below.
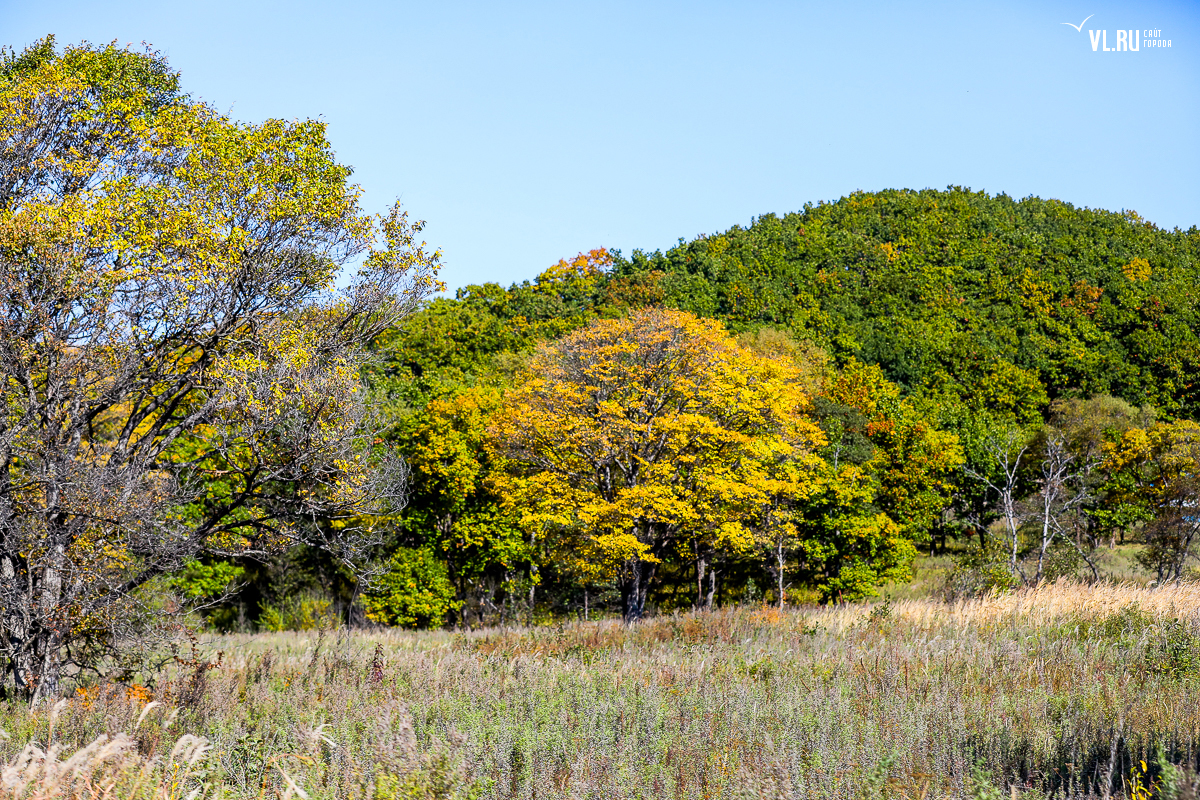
(1063, 691)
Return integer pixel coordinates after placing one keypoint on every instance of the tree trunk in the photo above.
(779, 561)
(629, 592)
(1184, 552)
(44, 665)
(532, 589)
(49, 670)
(980, 525)
(1047, 532)
(635, 588)
(712, 590)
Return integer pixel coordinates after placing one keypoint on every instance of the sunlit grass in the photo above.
(1060, 690)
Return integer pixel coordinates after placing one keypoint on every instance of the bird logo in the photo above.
(1079, 27)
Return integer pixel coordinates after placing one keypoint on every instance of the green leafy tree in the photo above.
(847, 546)
(1010, 303)
(889, 473)
(454, 505)
(1072, 503)
(1156, 478)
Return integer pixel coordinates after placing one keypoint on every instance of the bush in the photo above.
(200, 581)
(305, 613)
(1175, 651)
(1126, 625)
(414, 593)
(979, 571)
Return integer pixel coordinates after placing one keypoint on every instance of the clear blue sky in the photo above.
(525, 132)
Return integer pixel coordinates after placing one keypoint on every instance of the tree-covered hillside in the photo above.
(1010, 302)
(969, 359)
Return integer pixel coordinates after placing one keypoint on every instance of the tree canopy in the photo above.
(930, 325)
(179, 374)
(650, 435)
(1006, 304)
(798, 404)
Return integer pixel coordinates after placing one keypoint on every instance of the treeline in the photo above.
(1013, 380)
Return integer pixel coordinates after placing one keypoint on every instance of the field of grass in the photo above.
(932, 574)
(1064, 691)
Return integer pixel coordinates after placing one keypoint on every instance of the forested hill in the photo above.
(983, 311)
(1011, 302)
(1003, 303)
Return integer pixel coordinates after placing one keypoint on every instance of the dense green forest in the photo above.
(1011, 379)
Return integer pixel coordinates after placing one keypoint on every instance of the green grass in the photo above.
(1060, 691)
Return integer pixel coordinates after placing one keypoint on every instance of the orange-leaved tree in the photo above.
(632, 438)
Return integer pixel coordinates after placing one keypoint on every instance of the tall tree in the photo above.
(179, 375)
(889, 473)
(631, 437)
(454, 505)
(1071, 502)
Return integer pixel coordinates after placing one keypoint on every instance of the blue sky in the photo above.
(525, 132)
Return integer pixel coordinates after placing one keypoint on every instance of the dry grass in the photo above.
(106, 767)
(1051, 603)
(1059, 691)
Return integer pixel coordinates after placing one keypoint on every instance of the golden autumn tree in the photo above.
(454, 510)
(178, 373)
(632, 438)
(1155, 479)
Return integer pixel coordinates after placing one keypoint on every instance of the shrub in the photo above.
(980, 571)
(305, 613)
(1175, 651)
(415, 592)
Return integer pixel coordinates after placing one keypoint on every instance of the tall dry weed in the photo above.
(1061, 691)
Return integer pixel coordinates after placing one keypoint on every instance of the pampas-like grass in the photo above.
(106, 767)
(1058, 691)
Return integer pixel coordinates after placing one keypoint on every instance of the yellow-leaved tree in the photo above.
(179, 375)
(1155, 479)
(631, 440)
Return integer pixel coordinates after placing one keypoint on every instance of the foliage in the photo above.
(306, 612)
(1156, 478)
(1175, 651)
(635, 438)
(915, 463)
(455, 507)
(979, 571)
(474, 336)
(1087, 428)
(848, 548)
(179, 374)
(198, 580)
(916, 319)
(887, 475)
(414, 592)
(1004, 304)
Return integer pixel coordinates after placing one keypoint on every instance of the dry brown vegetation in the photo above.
(1062, 690)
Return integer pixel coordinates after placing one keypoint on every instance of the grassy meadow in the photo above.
(1062, 691)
